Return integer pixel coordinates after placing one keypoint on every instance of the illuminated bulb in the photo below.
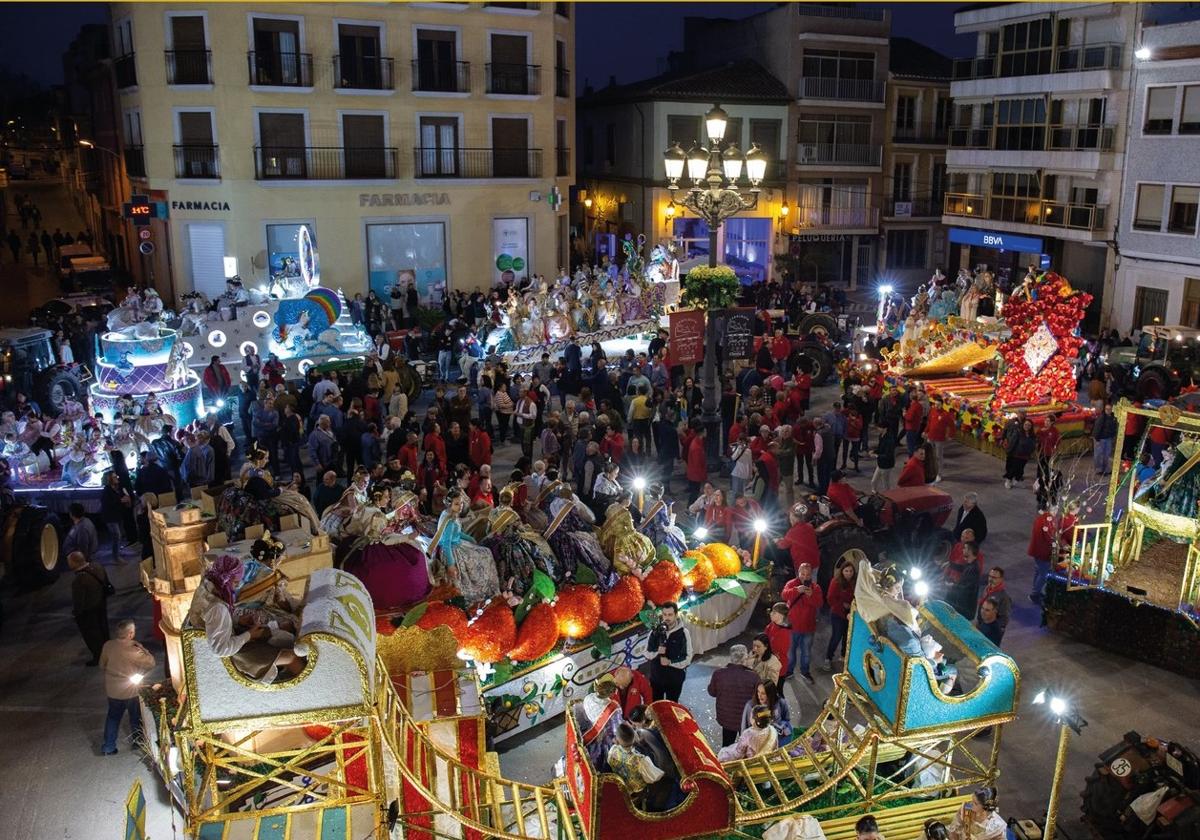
(220, 403)
(862, 357)
(136, 679)
(701, 533)
(1058, 705)
(760, 526)
(915, 573)
(1142, 53)
(639, 483)
(885, 290)
(921, 588)
(1039, 698)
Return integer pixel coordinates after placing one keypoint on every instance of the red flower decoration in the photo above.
(537, 635)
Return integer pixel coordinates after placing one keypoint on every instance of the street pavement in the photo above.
(26, 286)
(58, 785)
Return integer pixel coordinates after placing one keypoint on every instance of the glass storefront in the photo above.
(747, 248)
(412, 252)
(283, 247)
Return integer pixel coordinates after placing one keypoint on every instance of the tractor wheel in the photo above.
(819, 323)
(1153, 384)
(30, 546)
(849, 542)
(55, 387)
(817, 363)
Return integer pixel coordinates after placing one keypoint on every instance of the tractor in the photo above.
(904, 521)
(1165, 360)
(28, 365)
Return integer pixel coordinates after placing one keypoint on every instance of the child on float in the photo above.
(635, 769)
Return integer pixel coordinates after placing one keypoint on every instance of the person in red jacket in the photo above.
(435, 444)
(913, 415)
(1048, 438)
(781, 348)
(697, 465)
(1041, 550)
(800, 541)
(842, 496)
(633, 689)
(780, 636)
(913, 474)
(409, 453)
(216, 381)
(802, 595)
(1134, 423)
(803, 387)
(937, 431)
(480, 446)
(841, 595)
(613, 445)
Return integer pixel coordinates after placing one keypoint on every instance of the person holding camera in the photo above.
(672, 647)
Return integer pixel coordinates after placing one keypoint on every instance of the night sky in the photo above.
(628, 40)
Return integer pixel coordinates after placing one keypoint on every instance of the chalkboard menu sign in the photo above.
(739, 333)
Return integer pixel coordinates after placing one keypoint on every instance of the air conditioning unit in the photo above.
(808, 153)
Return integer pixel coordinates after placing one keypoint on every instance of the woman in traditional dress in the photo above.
(978, 818)
(760, 737)
(517, 549)
(606, 489)
(335, 517)
(631, 552)
(468, 565)
(658, 522)
(388, 556)
(573, 541)
(256, 650)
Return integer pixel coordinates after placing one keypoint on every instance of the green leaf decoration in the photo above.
(750, 576)
(710, 288)
(414, 615)
(502, 672)
(585, 575)
(731, 586)
(686, 564)
(647, 616)
(601, 641)
(543, 585)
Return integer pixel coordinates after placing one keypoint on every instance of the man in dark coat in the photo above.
(89, 597)
(970, 515)
(734, 686)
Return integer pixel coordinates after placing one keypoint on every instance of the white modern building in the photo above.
(1036, 148)
(1157, 275)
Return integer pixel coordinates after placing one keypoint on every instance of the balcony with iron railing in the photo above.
(835, 218)
(1105, 56)
(1066, 137)
(476, 163)
(854, 90)
(125, 71)
(135, 161)
(924, 133)
(325, 163)
(189, 67)
(562, 162)
(1026, 211)
(441, 76)
(915, 207)
(514, 79)
(838, 154)
(193, 161)
(280, 69)
(562, 82)
(363, 73)
(847, 12)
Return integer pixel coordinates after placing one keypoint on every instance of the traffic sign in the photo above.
(146, 248)
(143, 234)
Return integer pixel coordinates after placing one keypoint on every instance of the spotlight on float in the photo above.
(1142, 53)
(639, 484)
(921, 588)
(760, 526)
(1058, 706)
(136, 679)
(220, 403)
(886, 289)
(700, 533)
(915, 573)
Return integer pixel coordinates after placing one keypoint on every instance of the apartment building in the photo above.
(1039, 130)
(428, 140)
(623, 131)
(1157, 277)
(919, 110)
(834, 61)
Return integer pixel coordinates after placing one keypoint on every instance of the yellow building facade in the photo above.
(423, 141)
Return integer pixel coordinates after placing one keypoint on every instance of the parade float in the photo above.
(986, 368)
(596, 306)
(365, 732)
(1131, 582)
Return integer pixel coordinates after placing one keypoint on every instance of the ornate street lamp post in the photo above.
(714, 196)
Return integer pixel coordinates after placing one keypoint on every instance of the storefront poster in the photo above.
(739, 333)
(687, 336)
(408, 252)
(510, 241)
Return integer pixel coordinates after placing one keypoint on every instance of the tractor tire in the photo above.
(29, 546)
(848, 541)
(55, 387)
(1153, 384)
(819, 323)
(817, 363)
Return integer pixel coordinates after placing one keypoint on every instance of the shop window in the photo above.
(1160, 110)
(907, 248)
(408, 252)
(691, 237)
(283, 247)
(1148, 211)
(1184, 201)
(748, 248)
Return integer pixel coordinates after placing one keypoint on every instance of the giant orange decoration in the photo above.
(491, 636)
(537, 634)
(438, 614)
(724, 559)
(578, 611)
(701, 576)
(664, 583)
(623, 601)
